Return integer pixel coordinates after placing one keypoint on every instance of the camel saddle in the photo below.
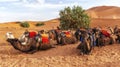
(45, 38)
(68, 34)
(104, 32)
(32, 34)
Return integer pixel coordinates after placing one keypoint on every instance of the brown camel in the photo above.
(32, 45)
(61, 37)
(85, 46)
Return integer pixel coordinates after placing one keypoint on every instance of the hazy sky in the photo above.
(20, 10)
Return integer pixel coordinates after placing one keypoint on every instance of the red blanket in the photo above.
(32, 34)
(45, 38)
(104, 32)
(67, 33)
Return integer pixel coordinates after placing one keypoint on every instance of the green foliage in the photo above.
(25, 24)
(40, 24)
(73, 18)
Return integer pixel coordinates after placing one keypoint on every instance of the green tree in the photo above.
(73, 18)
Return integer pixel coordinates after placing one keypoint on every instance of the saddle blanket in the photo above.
(32, 34)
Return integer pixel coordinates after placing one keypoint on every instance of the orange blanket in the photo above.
(67, 34)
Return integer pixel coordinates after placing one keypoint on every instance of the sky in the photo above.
(41, 10)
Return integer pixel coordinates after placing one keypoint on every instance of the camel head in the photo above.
(9, 35)
(10, 38)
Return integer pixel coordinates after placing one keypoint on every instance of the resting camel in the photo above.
(17, 44)
(106, 36)
(86, 44)
(67, 38)
(62, 37)
(32, 45)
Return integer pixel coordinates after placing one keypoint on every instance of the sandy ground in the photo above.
(61, 56)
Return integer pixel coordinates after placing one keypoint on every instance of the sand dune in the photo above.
(108, 12)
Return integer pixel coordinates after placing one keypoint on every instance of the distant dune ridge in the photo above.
(106, 12)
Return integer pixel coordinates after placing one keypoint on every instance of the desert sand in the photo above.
(61, 56)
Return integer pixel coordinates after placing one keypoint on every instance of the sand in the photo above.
(61, 56)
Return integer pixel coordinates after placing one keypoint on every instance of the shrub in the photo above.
(40, 24)
(25, 24)
(73, 18)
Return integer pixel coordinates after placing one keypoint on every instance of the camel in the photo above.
(61, 37)
(105, 38)
(85, 46)
(32, 45)
(17, 44)
(67, 38)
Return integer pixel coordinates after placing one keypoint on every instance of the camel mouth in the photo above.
(9, 35)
